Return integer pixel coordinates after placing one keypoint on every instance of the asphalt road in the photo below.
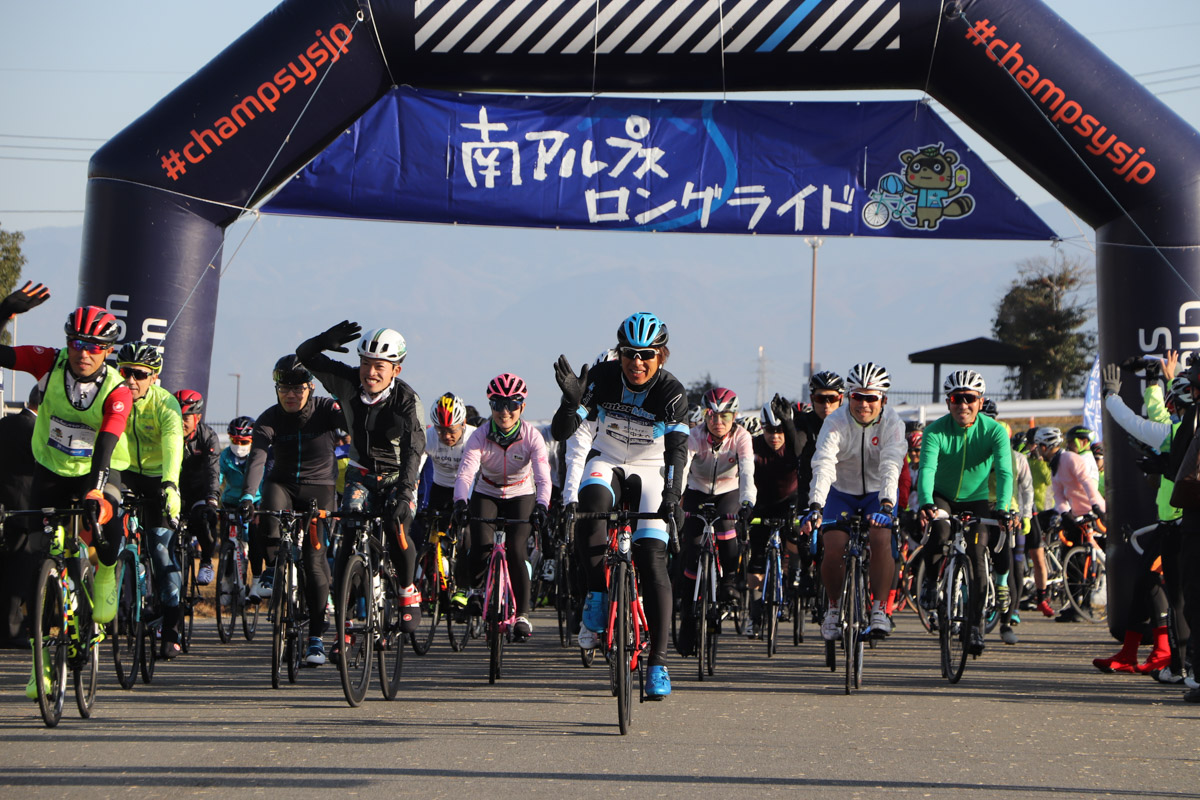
(1028, 721)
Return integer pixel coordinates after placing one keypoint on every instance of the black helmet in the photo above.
(989, 408)
(290, 372)
(241, 426)
(826, 381)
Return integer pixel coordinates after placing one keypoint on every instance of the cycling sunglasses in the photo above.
(136, 374)
(506, 403)
(240, 439)
(963, 398)
(89, 347)
(862, 397)
(644, 353)
(827, 398)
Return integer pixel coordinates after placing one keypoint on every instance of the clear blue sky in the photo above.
(88, 69)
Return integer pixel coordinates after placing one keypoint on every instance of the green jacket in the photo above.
(956, 461)
(154, 436)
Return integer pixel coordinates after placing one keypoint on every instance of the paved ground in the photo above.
(1030, 721)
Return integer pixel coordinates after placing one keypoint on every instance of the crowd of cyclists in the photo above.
(108, 434)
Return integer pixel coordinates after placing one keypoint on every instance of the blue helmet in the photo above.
(642, 329)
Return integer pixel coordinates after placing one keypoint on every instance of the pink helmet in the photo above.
(720, 400)
(507, 385)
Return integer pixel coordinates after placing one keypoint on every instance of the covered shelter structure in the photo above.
(981, 351)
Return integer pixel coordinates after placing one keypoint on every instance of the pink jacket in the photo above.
(504, 472)
(1074, 491)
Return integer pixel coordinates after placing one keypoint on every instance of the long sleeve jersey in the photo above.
(301, 445)
(154, 435)
(513, 470)
(856, 458)
(200, 474)
(724, 466)
(956, 461)
(1074, 489)
(445, 459)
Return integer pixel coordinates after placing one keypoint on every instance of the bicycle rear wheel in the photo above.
(127, 627)
(247, 610)
(956, 629)
(225, 605)
(916, 568)
(430, 585)
(622, 634)
(1085, 578)
(49, 643)
(389, 647)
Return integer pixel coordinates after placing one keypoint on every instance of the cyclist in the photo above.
(751, 423)
(387, 439)
(776, 479)
(1078, 439)
(444, 444)
(200, 479)
(958, 453)
(856, 467)
(826, 390)
(154, 437)
(78, 436)
(300, 431)
(508, 456)
(720, 471)
(232, 464)
(637, 457)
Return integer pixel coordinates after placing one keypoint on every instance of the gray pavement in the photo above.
(1029, 721)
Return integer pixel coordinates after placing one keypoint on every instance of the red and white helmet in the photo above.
(92, 324)
(720, 400)
(507, 385)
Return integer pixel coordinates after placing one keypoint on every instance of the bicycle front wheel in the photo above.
(429, 582)
(127, 627)
(702, 605)
(849, 623)
(562, 596)
(297, 620)
(49, 643)
(956, 628)
(151, 622)
(495, 614)
(279, 622)
(247, 610)
(189, 597)
(226, 604)
(354, 629)
(389, 646)
(770, 608)
(621, 635)
(1085, 579)
(87, 674)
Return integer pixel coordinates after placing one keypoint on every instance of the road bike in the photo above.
(233, 580)
(368, 609)
(499, 599)
(288, 610)
(138, 624)
(954, 582)
(780, 597)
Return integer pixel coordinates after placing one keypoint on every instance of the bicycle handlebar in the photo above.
(1133, 537)
(618, 515)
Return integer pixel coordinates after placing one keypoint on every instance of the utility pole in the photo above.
(815, 243)
(237, 397)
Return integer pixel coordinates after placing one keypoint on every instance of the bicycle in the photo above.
(559, 570)
(435, 579)
(288, 610)
(626, 636)
(138, 623)
(954, 593)
(233, 581)
(854, 618)
(779, 598)
(368, 610)
(64, 634)
(1084, 571)
(499, 599)
(705, 608)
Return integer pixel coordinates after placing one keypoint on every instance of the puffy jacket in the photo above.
(856, 458)
(515, 470)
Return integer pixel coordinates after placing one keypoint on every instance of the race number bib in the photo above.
(72, 438)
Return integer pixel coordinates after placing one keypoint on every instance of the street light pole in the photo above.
(237, 398)
(815, 243)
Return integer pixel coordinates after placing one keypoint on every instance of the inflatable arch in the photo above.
(162, 191)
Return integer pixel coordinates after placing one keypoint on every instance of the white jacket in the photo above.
(858, 459)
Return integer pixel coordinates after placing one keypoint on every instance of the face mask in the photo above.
(240, 450)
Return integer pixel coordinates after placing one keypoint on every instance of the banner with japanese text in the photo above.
(612, 163)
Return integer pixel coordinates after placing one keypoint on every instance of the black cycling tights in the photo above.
(280, 496)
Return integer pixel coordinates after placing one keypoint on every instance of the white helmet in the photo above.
(752, 424)
(383, 343)
(607, 355)
(1048, 436)
(868, 377)
(967, 380)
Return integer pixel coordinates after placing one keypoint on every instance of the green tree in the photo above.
(12, 261)
(1045, 310)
